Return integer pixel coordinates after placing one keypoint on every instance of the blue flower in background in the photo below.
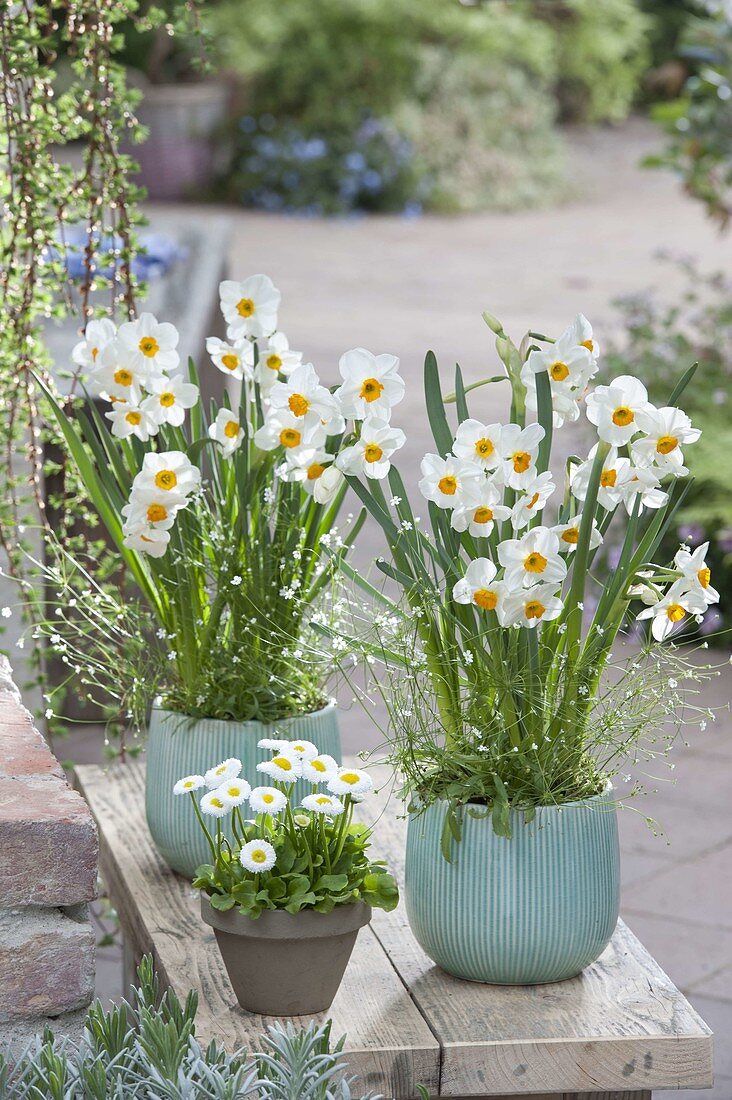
(158, 254)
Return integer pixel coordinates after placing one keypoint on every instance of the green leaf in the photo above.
(333, 883)
(222, 902)
(435, 406)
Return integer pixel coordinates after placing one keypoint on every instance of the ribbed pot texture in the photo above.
(286, 964)
(178, 746)
(537, 908)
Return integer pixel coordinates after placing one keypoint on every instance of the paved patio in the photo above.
(404, 286)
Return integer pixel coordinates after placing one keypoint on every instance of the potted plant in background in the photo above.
(219, 521)
(504, 730)
(287, 897)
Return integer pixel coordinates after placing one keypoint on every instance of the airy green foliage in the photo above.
(657, 337)
(146, 1047)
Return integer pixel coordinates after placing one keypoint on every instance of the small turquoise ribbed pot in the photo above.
(537, 908)
(178, 745)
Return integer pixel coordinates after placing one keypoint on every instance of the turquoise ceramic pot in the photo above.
(537, 908)
(178, 746)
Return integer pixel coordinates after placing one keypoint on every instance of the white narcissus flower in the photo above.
(479, 587)
(306, 465)
(569, 365)
(671, 611)
(282, 429)
(615, 474)
(227, 431)
(277, 358)
(223, 772)
(116, 379)
(235, 360)
(213, 804)
(614, 409)
(533, 605)
(696, 574)
(479, 509)
(189, 783)
(371, 386)
(666, 430)
(350, 781)
(568, 534)
(580, 332)
(131, 420)
(97, 335)
(478, 443)
(372, 451)
(285, 766)
(519, 449)
(323, 804)
(158, 513)
(327, 485)
(234, 792)
(149, 345)
(166, 472)
(303, 396)
(642, 483)
(532, 559)
(257, 855)
(320, 769)
(169, 398)
(267, 800)
(147, 540)
(249, 306)
(445, 480)
(532, 500)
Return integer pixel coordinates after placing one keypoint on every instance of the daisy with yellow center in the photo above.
(224, 772)
(323, 804)
(188, 784)
(214, 805)
(350, 781)
(320, 769)
(234, 792)
(267, 800)
(284, 766)
(257, 856)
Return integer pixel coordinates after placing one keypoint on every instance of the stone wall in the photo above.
(48, 873)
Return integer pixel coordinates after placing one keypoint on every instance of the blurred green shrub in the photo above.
(658, 341)
(472, 89)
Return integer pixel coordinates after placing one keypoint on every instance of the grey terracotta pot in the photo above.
(286, 964)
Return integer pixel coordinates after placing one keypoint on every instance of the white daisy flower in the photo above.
(479, 443)
(285, 766)
(258, 855)
(479, 509)
(303, 750)
(147, 540)
(227, 431)
(696, 574)
(169, 398)
(277, 358)
(234, 792)
(480, 587)
(189, 783)
(372, 451)
(323, 804)
(97, 335)
(532, 559)
(615, 474)
(670, 612)
(532, 500)
(267, 800)
(303, 396)
(519, 449)
(249, 306)
(236, 360)
(372, 385)
(327, 485)
(445, 480)
(568, 534)
(285, 430)
(666, 430)
(213, 803)
(149, 345)
(319, 769)
(166, 472)
(223, 772)
(273, 743)
(129, 420)
(350, 781)
(614, 409)
(533, 605)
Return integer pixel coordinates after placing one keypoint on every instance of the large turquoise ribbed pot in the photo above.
(178, 745)
(537, 908)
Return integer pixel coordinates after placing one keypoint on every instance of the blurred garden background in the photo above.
(397, 167)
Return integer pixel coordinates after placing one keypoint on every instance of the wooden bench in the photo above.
(617, 1032)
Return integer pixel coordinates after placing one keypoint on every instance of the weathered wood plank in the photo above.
(388, 1042)
(621, 1024)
